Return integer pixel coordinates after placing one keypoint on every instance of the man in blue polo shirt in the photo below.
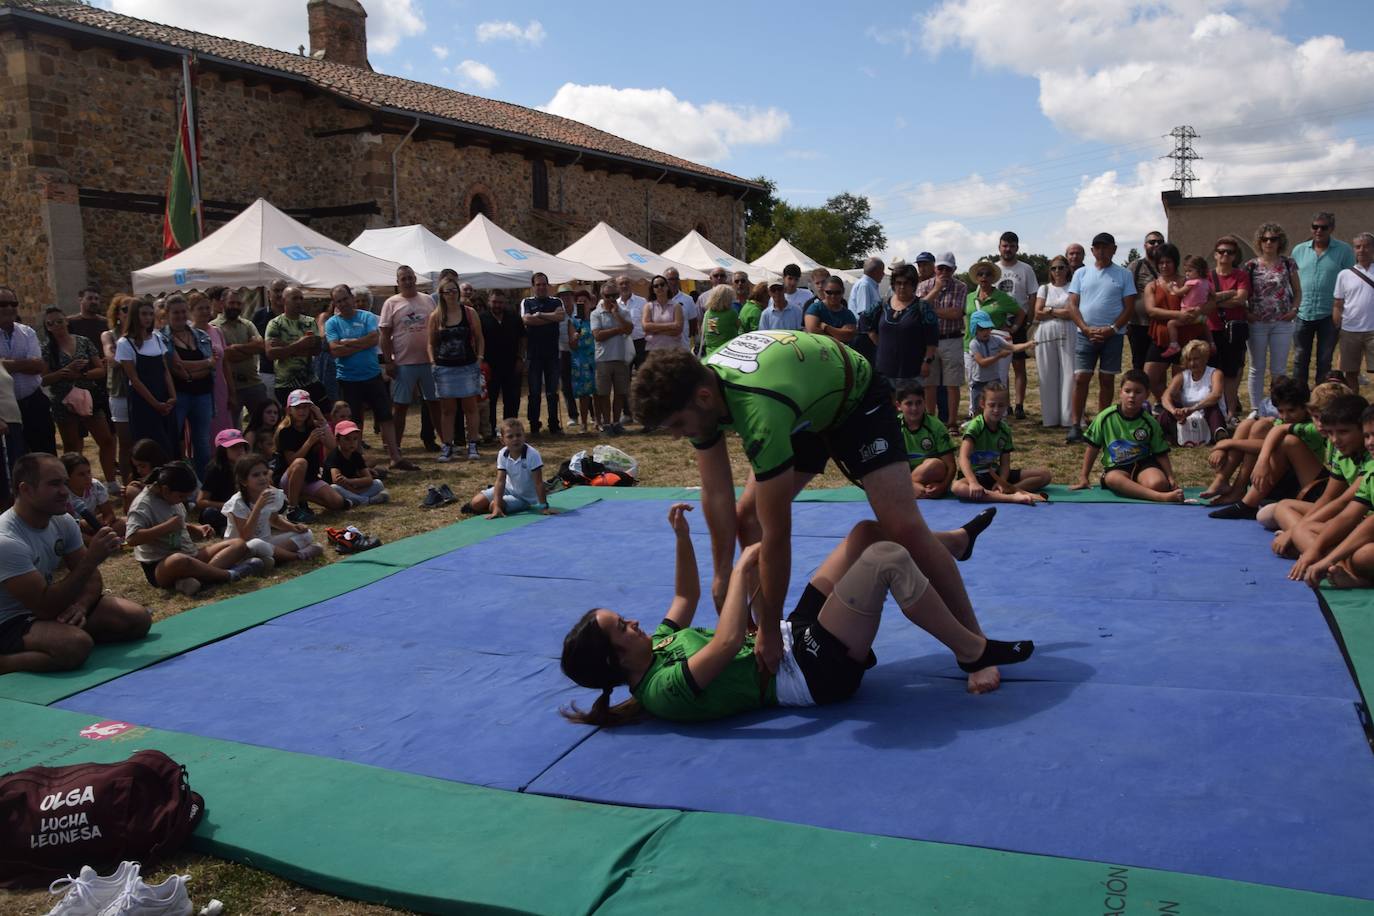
(1320, 260)
(353, 337)
(1101, 302)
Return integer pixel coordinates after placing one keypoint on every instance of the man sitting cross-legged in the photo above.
(48, 625)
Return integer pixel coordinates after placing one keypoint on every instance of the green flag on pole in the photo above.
(181, 223)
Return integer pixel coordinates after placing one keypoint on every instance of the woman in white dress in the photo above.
(1054, 345)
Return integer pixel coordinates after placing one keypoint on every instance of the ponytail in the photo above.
(176, 476)
(590, 660)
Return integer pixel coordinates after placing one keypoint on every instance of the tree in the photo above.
(839, 233)
(1040, 263)
(1132, 255)
(759, 205)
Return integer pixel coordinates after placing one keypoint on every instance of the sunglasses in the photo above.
(983, 274)
(660, 286)
(1320, 227)
(834, 292)
(1269, 238)
(1226, 251)
(1149, 242)
(1059, 267)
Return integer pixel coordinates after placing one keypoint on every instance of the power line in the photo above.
(1183, 156)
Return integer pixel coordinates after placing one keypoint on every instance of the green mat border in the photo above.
(1350, 614)
(211, 622)
(444, 847)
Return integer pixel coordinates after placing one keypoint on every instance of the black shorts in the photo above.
(1288, 487)
(831, 675)
(1020, 336)
(1133, 470)
(374, 394)
(987, 483)
(1230, 342)
(12, 633)
(1156, 355)
(866, 440)
(150, 571)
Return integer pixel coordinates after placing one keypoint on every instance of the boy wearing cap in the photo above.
(781, 314)
(346, 469)
(987, 351)
(796, 400)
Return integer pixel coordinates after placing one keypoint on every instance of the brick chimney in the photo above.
(338, 31)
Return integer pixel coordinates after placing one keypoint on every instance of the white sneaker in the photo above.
(141, 899)
(381, 498)
(188, 586)
(88, 893)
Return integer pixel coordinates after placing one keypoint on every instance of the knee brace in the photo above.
(882, 568)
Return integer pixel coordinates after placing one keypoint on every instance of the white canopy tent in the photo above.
(700, 252)
(260, 245)
(606, 249)
(484, 239)
(784, 253)
(428, 255)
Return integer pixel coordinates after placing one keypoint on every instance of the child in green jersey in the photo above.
(1235, 459)
(1303, 524)
(1343, 548)
(1289, 464)
(985, 457)
(691, 674)
(1135, 454)
(929, 449)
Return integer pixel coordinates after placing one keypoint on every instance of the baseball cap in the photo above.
(946, 260)
(345, 427)
(298, 397)
(1103, 238)
(981, 319)
(925, 257)
(775, 284)
(229, 437)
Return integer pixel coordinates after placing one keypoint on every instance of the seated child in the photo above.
(261, 431)
(219, 484)
(346, 469)
(1290, 462)
(161, 538)
(1346, 461)
(1327, 550)
(519, 477)
(254, 515)
(1135, 454)
(89, 500)
(986, 350)
(985, 457)
(145, 455)
(340, 412)
(1194, 289)
(929, 449)
(1234, 459)
(303, 440)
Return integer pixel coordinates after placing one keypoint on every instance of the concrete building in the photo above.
(1195, 223)
(89, 121)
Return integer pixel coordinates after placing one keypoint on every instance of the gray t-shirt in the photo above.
(148, 511)
(619, 347)
(985, 348)
(24, 549)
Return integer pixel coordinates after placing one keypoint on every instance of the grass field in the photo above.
(663, 462)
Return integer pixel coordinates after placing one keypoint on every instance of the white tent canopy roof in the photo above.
(606, 249)
(700, 252)
(784, 253)
(260, 245)
(484, 239)
(428, 255)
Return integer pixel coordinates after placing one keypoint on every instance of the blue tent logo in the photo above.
(179, 277)
(637, 257)
(725, 262)
(296, 253)
(517, 254)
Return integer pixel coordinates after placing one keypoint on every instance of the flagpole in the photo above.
(192, 154)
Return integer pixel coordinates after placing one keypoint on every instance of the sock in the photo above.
(1000, 653)
(234, 575)
(974, 527)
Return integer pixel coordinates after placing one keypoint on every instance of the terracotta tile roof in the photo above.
(375, 89)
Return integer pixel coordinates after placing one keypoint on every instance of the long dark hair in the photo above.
(590, 660)
(176, 476)
(242, 468)
(133, 322)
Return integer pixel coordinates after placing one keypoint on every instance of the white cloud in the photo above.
(439, 51)
(940, 236)
(967, 197)
(657, 118)
(475, 74)
(273, 23)
(532, 34)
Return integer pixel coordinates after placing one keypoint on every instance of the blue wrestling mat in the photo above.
(1187, 708)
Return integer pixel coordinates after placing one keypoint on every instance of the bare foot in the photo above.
(1340, 577)
(1173, 496)
(985, 681)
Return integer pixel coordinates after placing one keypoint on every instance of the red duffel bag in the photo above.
(53, 820)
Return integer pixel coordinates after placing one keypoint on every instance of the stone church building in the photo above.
(91, 100)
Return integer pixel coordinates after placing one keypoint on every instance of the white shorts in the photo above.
(119, 410)
(791, 683)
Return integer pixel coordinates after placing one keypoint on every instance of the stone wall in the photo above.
(109, 124)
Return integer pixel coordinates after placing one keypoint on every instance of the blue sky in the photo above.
(958, 118)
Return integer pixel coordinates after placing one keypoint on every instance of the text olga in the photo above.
(68, 800)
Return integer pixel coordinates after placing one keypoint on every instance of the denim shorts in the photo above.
(407, 377)
(458, 381)
(1105, 358)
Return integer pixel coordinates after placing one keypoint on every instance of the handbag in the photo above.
(79, 402)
